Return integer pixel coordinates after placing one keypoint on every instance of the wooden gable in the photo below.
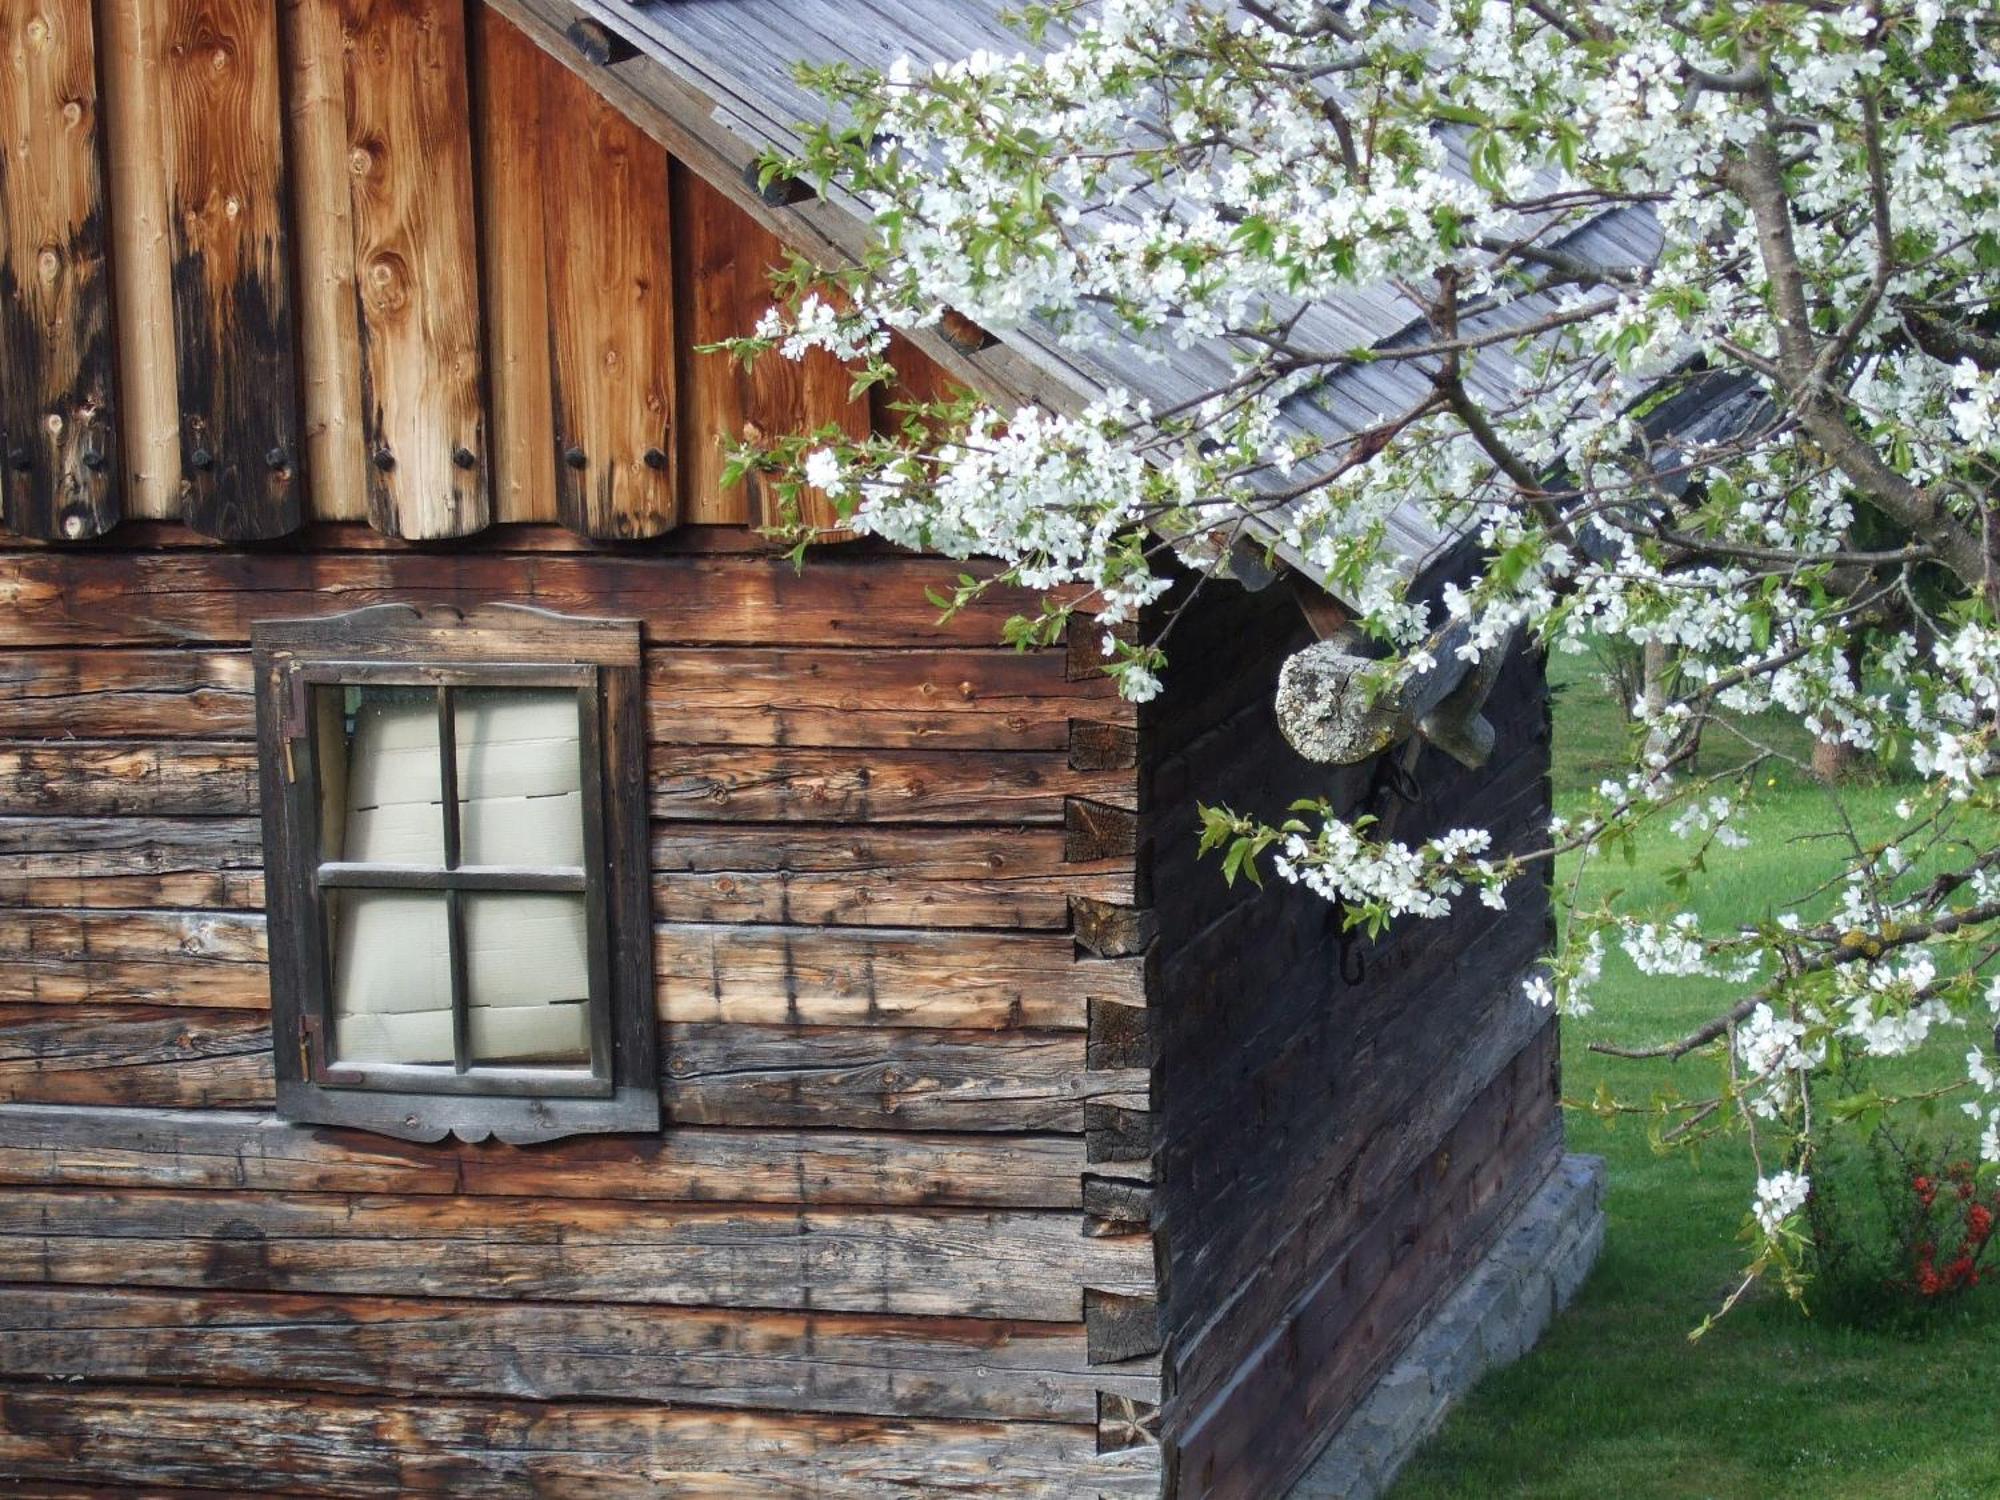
(381, 260)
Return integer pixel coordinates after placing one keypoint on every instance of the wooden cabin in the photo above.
(719, 1030)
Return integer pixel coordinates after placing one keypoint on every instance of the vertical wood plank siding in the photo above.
(383, 260)
(227, 209)
(59, 470)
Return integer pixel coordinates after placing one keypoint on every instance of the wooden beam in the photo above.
(170, 598)
(58, 440)
(234, 332)
(416, 261)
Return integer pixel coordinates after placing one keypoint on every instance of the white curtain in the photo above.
(520, 803)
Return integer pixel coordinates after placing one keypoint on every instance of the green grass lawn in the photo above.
(1615, 1403)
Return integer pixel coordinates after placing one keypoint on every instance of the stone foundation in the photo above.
(1494, 1318)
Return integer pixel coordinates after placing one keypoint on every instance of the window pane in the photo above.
(391, 977)
(520, 786)
(528, 978)
(381, 794)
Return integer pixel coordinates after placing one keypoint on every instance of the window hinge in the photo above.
(305, 1048)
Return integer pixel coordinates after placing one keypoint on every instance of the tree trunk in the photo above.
(1834, 760)
(1657, 671)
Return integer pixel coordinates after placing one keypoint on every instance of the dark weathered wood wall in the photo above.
(858, 1255)
(1332, 1155)
(382, 260)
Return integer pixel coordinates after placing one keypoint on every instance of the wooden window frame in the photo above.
(497, 646)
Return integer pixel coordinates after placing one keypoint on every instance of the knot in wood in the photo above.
(1329, 709)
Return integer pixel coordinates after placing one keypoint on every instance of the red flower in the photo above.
(1979, 1223)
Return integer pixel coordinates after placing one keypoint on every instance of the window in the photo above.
(454, 834)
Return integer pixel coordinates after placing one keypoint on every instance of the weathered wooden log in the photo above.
(871, 1364)
(62, 1146)
(355, 1448)
(885, 1078)
(799, 975)
(891, 786)
(951, 1263)
(881, 876)
(1336, 707)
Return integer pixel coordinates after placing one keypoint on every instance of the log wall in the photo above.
(392, 260)
(858, 1256)
(1342, 1124)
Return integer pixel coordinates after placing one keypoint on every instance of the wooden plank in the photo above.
(416, 263)
(59, 1146)
(324, 1445)
(963, 699)
(725, 286)
(705, 974)
(203, 959)
(888, 786)
(887, 699)
(880, 876)
(611, 306)
(882, 1078)
(142, 261)
(803, 975)
(1320, 1358)
(148, 778)
(59, 598)
(507, 95)
(946, 1262)
(134, 1055)
(58, 440)
(193, 863)
(125, 694)
(824, 1362)
(234, 329)
(733, 1075)
(329, 334)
